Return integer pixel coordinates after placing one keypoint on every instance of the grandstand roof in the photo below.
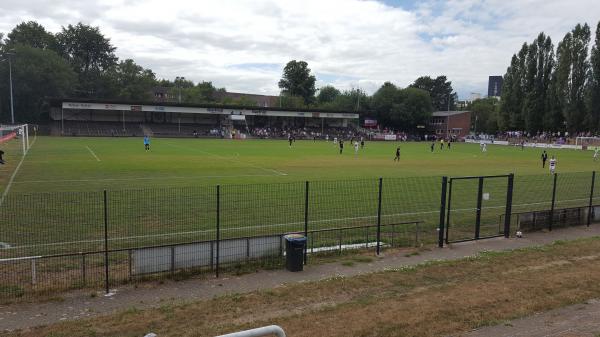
(216, 109)
(58, 101)
(447, 113)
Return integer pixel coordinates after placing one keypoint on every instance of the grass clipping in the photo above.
(431, 299)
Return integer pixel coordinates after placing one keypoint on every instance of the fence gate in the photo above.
(477, 208)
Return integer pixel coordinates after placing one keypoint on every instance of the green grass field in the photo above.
(168, 195)
(91, 164)
(169, 192)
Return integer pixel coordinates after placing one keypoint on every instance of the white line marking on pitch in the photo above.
(12, 177)
(233, 160)
(92, 152)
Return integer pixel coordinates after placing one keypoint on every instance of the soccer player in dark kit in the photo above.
(544, 158)
(397, 154)
(1, 159)
(341, 146)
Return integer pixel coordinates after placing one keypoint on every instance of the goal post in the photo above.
(11, 135)
(587, 141)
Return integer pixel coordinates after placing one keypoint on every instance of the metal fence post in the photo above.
(306, 221)
(478, 215)
(442, 212)
(508, 209)
(106, 282)
(449, 209)
(379, 217)
(589, 218)
(551, 218)
(218, 253)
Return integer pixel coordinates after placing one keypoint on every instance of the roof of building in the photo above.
(447, 113)
(57, 102)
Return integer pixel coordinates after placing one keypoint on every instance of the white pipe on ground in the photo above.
(259, 332)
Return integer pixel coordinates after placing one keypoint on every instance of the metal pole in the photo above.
(478, 215)
(442, 212)
(449, 209)
(12, 111)
(217, 253)
(305, 220)
(589, 218)
(379, 217)
(106, 283)
(551, 218)
(508, 209)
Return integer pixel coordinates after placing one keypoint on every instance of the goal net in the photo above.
(587, 141)
(15, 138)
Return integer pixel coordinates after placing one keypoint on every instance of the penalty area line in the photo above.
(93, 154)
(12, 177)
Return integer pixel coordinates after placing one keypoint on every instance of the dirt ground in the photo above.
(581, 320)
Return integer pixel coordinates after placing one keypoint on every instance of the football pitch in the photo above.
(91, 164)
(167, 195)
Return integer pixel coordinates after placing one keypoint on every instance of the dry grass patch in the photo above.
(436, 298)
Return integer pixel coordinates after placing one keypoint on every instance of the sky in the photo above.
(243, 45)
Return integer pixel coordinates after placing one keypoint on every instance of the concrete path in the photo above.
(78, 305)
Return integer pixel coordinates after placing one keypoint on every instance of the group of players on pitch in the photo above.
(361, 145)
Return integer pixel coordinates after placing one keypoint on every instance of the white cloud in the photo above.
(352, 42)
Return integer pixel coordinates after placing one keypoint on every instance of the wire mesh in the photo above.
(52, 242)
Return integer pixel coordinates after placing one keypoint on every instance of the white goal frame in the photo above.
(8, 132)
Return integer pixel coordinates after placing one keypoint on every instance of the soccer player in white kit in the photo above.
(552, 165)
(596, 153)
(355, 147)
(484, 147)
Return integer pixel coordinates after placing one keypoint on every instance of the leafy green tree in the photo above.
(349, 100)
(132, 81)
(37, 74)
(484, 115)
(402, 109)
(298, 81)
(415, 109)
(385, 101)
(91, 55)
(594, 84)
(571, 75)
(204, 92)
(538, 71)
(31, 34)
(440, 89)
(327, 94)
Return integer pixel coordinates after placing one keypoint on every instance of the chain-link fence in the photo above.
(52, 242)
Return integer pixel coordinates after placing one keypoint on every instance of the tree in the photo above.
(571, 75)
(594, 84)
(538, 71)
(484, 115)
(37, 74)
(402, 109)
(132, 81)
(327, 94)
(31, 34)
(297, 81)
(384, 102)
(415, 109)
(91, 56)
(440, 89)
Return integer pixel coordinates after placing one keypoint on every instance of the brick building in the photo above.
(447, 124)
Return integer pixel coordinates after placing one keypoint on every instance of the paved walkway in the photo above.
(78, 305)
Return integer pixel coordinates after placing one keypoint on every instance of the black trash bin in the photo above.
(294, 252)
